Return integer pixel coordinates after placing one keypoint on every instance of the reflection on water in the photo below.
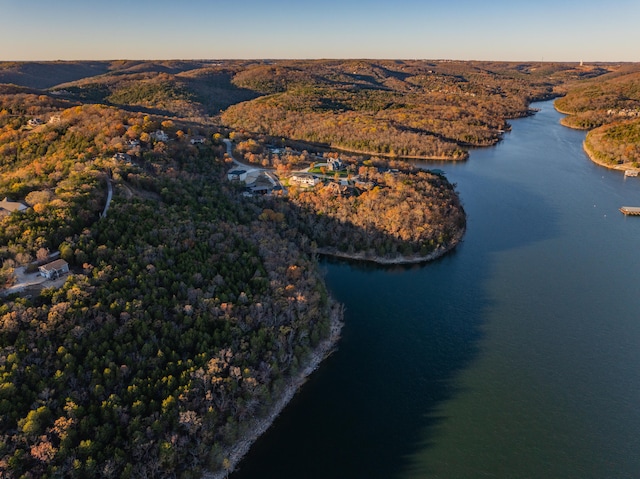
(516, 356)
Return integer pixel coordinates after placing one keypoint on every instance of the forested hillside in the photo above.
(414, 109)
(182, 319)
(609, 106)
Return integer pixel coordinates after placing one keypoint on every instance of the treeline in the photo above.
(181, 321)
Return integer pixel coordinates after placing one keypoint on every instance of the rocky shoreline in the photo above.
(235, 453)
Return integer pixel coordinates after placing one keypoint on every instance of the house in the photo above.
(132, 143)
(303, 180)
(55, 269)
(364, 185)
(122, 157)
(237, 175)
(35, 122)
(7, 206)
(199, 140)
(159, 135)
(338, 189)
(335, 164)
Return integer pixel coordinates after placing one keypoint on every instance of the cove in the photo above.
(515, 356)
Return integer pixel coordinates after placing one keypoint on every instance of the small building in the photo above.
(35, 122)
(237, 175)
(335, 164)
(132, 143)
(7, 206)
(303, 180)
(198, 140)
(55, 269)
(122, 157)
(159, 135)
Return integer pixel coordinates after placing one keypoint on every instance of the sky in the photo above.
(510, 30)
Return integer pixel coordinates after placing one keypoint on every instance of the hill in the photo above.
(411, 109)
(609, 106)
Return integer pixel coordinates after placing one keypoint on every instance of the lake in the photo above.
(515, 356)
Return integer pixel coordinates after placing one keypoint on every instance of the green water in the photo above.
(516, 356)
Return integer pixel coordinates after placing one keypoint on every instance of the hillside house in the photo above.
(237, 175)
(159, 135)
(35, 122)
(122, 157)
(55, 269)
(7, 206)
(197, 140)
(335, 164)
(338, 189)
(303, 180)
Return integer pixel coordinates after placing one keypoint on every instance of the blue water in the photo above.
(515, 356)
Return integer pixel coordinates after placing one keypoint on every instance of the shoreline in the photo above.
(237, 451)
(619, 167)
(398, 260)
(590, 154)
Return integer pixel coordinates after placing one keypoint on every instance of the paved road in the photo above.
(109, 196)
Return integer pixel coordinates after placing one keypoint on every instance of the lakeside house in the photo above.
(303, 180)
(7, 206)
(55, 269)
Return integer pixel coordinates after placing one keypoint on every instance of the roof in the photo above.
(12, 205)
(237, 172)
(54, 265)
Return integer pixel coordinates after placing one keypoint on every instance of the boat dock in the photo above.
(631, 210)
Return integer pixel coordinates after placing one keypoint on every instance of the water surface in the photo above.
(516, 356)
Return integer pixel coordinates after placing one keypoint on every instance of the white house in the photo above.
(198, 140)
(55, 269)
(303, 180)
